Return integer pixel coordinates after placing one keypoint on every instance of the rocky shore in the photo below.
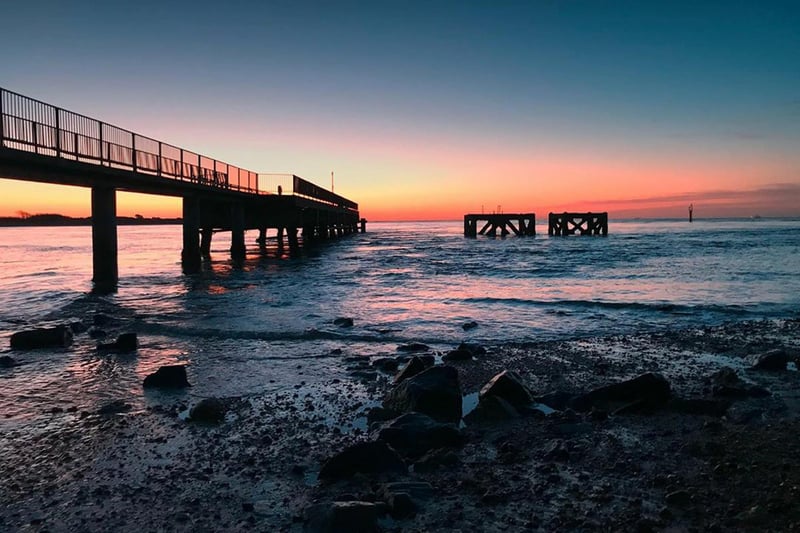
(692, 430)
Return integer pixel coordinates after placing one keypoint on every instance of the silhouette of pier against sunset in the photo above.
(43, 143)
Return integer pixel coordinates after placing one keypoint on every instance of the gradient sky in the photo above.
(431, 110)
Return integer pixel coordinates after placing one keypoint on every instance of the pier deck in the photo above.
(43, 143)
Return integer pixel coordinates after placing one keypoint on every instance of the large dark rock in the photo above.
(343, 322)
(365, 458)
(58, 336)
(414, 366)
(100, 319)
(414, 434)
(726, 383)
(97, 333)
(435, 392)
(508, 386)
(405, 498)
(126, 342)
(473, 348)
(428, 359)
(7, 361)
(341, 517)
(386, 364)
(457, 355)
(646, 391)
(491, 409)
(78, 327)
(772, 360)
(413, 347)
(209, 410)
(167, 377)
(725, 377)
(558, 400)
(436, 459)
(380, 414)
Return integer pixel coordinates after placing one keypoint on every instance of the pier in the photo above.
(43, 143)
(505, 223)
(563, 224)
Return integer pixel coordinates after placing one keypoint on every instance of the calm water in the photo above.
(267, 324)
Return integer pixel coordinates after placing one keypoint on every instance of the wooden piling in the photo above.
(190, 254)
(238, 248)
(291, 236)
(205, 241)
(505, 223)
(563, 224)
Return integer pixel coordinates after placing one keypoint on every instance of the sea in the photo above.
(266, 324)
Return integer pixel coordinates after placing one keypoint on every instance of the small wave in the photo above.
(42, 274)
(389, 337)
(671, 308)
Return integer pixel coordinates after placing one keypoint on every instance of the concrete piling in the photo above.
(190, 255)
(105, 270)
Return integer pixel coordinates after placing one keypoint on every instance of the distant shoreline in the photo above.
(61, 220)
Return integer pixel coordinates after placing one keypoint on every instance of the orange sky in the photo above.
(417, 180)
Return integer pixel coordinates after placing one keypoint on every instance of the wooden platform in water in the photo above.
(564, 224)
(505, 223)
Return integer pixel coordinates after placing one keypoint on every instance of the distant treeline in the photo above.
(61, 220)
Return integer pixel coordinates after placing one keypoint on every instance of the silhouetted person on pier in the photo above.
(280, 190)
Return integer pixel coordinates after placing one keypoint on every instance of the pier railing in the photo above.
(34, 126)
(297, 186)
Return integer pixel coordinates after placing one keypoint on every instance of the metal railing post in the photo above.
(181, 164)
(159, 159)
(100, 129)
(58, 133)
(2, 121)
(133, 151)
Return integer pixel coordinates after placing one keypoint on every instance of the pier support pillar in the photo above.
(291, 235)
(105, 271)
(262, 238)
(363, 225)
(205, 241)
(308, 233)
(280, 238)
(190, 255)
(238, 248)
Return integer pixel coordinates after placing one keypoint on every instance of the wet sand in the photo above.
(152, 470)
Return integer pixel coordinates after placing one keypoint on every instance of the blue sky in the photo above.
(428, 87)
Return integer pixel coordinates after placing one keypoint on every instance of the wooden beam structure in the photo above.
(563, 224)
(505, 223)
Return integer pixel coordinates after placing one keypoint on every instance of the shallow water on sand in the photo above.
(267, 324)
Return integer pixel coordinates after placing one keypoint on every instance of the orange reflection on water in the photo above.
(216, 289)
